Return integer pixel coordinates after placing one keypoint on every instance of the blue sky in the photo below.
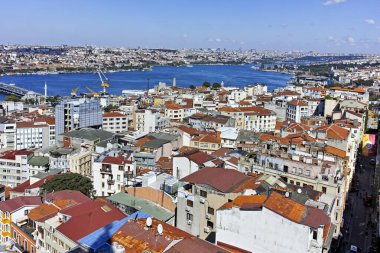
(349, 26)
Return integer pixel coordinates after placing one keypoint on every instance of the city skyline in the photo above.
(336, 26)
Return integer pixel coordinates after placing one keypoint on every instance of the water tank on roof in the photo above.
(117, 248)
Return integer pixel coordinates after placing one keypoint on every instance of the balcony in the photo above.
(110, 181)
(106, 169)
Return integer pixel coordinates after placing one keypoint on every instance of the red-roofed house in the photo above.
(207, 190)
(63, 231)
(13, 210)
(274, 221)
(296, 110)
(189, 162)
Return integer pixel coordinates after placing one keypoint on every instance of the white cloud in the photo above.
(370, 21)
(218, 40)
(331, 2)
(351, 41)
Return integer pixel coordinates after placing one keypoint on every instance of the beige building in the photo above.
(206, 191)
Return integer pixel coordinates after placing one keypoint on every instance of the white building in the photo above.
(112, 172)
(255, 90)
(276, 224)
(14, 167)
(7, 133)
(296, 110)
(149, 120)
(115, 122)
(39, 133)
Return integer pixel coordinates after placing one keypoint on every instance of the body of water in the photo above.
(231, 75)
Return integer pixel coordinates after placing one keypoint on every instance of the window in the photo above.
(315, 235)
(189, 203)
(189, 216)
(324, 190)
(26, 212)
(291, 181)
(307, 172)
(203, 194)
(25, 244)
(210, 224)
(32, 249)
(211, 210)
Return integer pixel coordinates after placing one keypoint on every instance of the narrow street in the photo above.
(359, 227)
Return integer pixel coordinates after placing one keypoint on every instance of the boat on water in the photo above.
(189, 66)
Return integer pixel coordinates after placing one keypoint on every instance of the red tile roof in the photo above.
(297, 102)
(113, 115)
(14, 204)
(88, 217)
(11, 154)
(121, 160)
(26, 185)
(224, 180)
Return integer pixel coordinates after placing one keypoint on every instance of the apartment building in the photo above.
(111, 171)
(296, 110)
(39, 133)
(7, 133)
(115, 122)
(14, 167)
(12, 210)
(149, 120)
(205, 192)
(74, 114)
(273, 222)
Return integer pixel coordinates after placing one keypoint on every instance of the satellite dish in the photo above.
(299, 190)
(148, 222)
(160, 229)
(287, 194)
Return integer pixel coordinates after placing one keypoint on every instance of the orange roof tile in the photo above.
(245, 201)
(297, 102)
(286, 207)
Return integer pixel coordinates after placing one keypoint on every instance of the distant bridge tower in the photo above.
(45, 88)
(174, 82)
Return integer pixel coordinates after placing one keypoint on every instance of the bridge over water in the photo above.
(12, 89)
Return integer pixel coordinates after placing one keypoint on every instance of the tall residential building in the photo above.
(149, 120)
(14, 167)
(39, 133)
(7, 133)
(74, 114)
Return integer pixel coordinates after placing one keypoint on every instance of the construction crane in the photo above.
(105, 81)
(95, 94)
(74, 91)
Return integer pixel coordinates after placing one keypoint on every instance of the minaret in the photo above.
(45, 90)
(174, 82)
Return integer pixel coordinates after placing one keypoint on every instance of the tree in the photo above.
(69, 181)
(192, 87)
(12, 98)
(110, 107)
(206, 84)
(216, 85)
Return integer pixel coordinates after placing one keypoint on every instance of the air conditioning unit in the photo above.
(187, 209)
(189, 222)
(208, 216)
(207, 230)
(202, 200)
